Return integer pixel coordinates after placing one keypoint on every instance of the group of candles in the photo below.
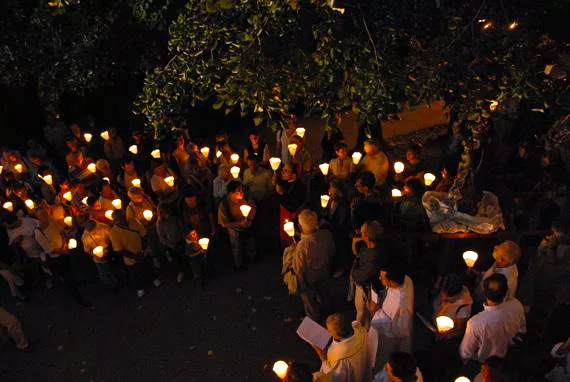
(429, 178)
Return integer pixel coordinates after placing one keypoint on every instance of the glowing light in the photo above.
(147, 214)
(107, 179)
(280, 369)
(98, 251)
(134, 149)
(356, 156)
(105, 135)
(234, 158)
(155, 154)
(325, 200)
(30, 204)
(204, 243)
(68, 196)
(493, 106)
(117, 203)
(274, 163)
(300, 131)
(72, 244)
(396, 193)
(289, 228)
(8, 206)
(218, 154)
(169, 180)
(513, 25)
(462, 379)
(429, 178)
(324, 168)
(68, 221)
(84, 200)
(19, 168)
(205, 151)
(136, 182)
(470, 257)
(235, 171)
(399, 167)
(444, 324)
(109, 214)
(92, 168)
(88, 137)
(292, 149)
(245, 210)
(487, 25)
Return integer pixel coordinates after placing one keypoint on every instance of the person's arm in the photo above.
(266, 153)
(470, 343)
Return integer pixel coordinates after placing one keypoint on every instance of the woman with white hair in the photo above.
(506, 256)
(311, 259)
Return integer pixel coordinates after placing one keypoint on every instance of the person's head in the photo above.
(119, 217)
(393, 275)
(337, 189)
(493, 370)
(75, 130)
(401, 367)
(506, 254)
(129, 166)
(254, 161)
(452, 287)
(12, 156)
(235, 190)
(365, 182)
(298, 372)
(290, 172)
(35, 158)
(189, 195)
(496, 288)
(414, 187)
(341, 150)
(164, 211)
(308, 221)
(371, 232)
(136, 195)
(90, 225)
(224, 171)
(413, 154)
(254, 136)
(371, 147)
(339, 326)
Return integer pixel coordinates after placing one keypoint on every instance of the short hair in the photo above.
(254, 131)
(403, 366)
(233, 185)
(416, 186)
(340, 145)
(452, 284)
(188, 191)
(90, 225)
(496, 288)
(395, 272)
(373, 142)
(414, 147)
(374, 230)
(135, 191)
(308, 220)
(510, 250)
(367, 179)
(119, 216)
(341, 325)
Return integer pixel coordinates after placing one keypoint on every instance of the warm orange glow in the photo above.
(274, 163)
(88, 137)
(324, 168)
(235, 171)
(68, 220)
(205, 151)
(68, 196)
(300, 131)
(204, 243)
(356, 156)
(147, 214)
(398, 167)
(30, 204)
(245, 210)
(169, 180)
(105, 135)
(134, 149)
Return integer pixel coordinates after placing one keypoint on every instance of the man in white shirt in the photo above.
(506, 256)
(392, 324)
(346, 359)
(491, 332)
(375, 161)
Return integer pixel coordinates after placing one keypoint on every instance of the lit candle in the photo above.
(274, 163)
(280, 369)
(98, 251)
(292, 149)
(19, 168)
(155, 154)
(513, 25)
(105, 135)
(107, 179)
(48, 179)
(325, 200)
(68, 220)
(470, 257)
(289, 228)
(396, 193)
(218, 154)
(398, 167)
(109, 214)
(30, 204)
(324, 168)
(462, 379)
(428, 178)
(356, 156)
(205, 151)
(84, 200)
(92, 167)
(68, 196)
(88, 137)
(235, 171)
(136, 182)
(117, 203)
(493, 106)
(444, 324)
(72, 244)
(1, 169)
(147, 214)
(169, 180)
(300, 131)
(8, 206)
(234, 158)
(204, 242)
(245, 210)
(134, 149)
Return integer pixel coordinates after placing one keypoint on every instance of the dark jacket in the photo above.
(366, 267)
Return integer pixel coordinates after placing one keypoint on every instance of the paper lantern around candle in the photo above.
(280, 369)
(234, 158)
(147, 214)
(155, 154)
(300, 131)
(68, 196)
(205, 151)
(204, 243)
(274, 163)
(19, 168)
(92, 168)
(325, 200)
(48, 179)
(98, 251)
(106, 178)
(105, 135)
(289, 228)
(88, 137)
(470, 257)
(356, 156)
(235, 172)
(399, 167)
(8, 206)
(134, 149)
(292, 149)
(84, 200)
(444, 324)
(136, 182)
(324, 168)
(245, 210)
(396, 193)
(109, 214)
(68, 221)
(169, 180)
(218, 154)
(429, 178)
(72, 244)
(1, 169)
(117, 203)
(30, 204)
(462, 379)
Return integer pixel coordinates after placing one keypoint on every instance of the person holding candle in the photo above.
(346, 359)
(129, 174)
(341, 167)
(237, 225)
(415, 166)
(375, 161)
(257, 179)
(163, 191)
(311, 258)
(99, 235)
(170, 232)
(258, 147)
(454, 301)
(302, 157)
(283, 137)
(366, 204)
(492, 331)
(391, 327)
(506, 256)
(291, 194)
(107, 195)
(196, 256)
(114, 148)
(220, 183)
(195, 213)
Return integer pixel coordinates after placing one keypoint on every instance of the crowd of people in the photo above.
(353, 214)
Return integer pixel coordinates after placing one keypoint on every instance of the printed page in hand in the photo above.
(314, 333)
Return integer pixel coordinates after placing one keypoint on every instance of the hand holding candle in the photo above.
(396, 193)
(68, 221)
(356, 156)
(92, 167)
(205, 151)
(235, 170)
(204, 243)
(105, 135)
(444, 324)
(325, 200)
(147, 214)
(155, 154)
(289, 228)
(245, 210)
(8, 206)
(300, 131)
(429, 178)
(280, 369)
(117, 203)
(88, 137)
(234, 158)
(324, 168)
(470, 257)
(274, 163)
(399, 167)
(98, 251)
(72, 244)
(136, 182)
(134, 149)
(292, 149)
(169, 180)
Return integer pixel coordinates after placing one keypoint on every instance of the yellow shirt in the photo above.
(127, 239)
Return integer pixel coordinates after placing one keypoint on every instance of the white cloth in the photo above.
(512, 275)
(383, 376)
(490, 332)
(392, 325)
(26, 230)
(560, 373)
(311, 256)
(347, 360)
(219, 186)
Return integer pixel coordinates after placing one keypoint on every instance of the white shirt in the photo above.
(511, 273)
(26, 230)
(490, 332)
(396, 316)
(560, 373)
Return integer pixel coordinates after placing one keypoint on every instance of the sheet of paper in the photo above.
(391, 303)
(313, 333)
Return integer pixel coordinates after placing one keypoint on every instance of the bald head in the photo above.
(506, 253)
(339, 326)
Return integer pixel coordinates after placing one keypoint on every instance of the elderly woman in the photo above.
(506, 256)
(346, 359)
